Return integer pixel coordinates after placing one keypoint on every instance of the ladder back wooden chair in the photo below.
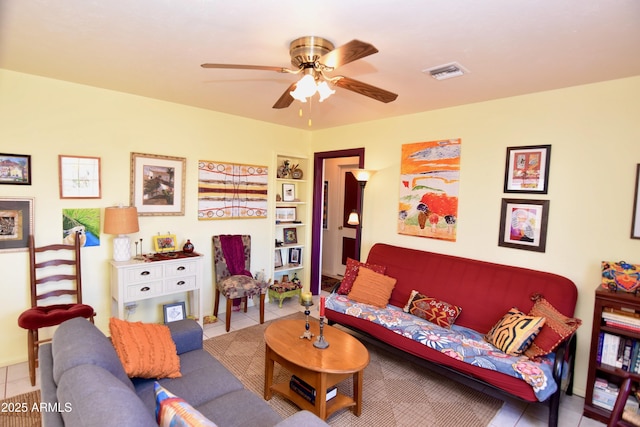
(55, 271)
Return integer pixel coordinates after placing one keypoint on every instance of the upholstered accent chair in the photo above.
(234, 286)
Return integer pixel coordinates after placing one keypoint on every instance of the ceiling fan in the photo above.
(313, 57)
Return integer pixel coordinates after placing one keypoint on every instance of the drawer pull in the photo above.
(181, 268)
(180, 283)
(145, 273)
(145, 289)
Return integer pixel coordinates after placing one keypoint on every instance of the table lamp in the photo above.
(121, 220)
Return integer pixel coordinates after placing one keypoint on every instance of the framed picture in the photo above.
(285, 214)
(288, 192)
(290, 235)
(157, 184)
(635, 223)
(277, 260)
(15, 169)
(174, 312)
(295, 255)
(523, 224)
(164, 243)
(16, 223)
(79, 177)
(527, 169)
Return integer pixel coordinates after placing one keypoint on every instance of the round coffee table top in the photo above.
(345, 354)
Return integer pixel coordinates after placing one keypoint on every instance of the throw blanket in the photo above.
(458, 342)
(233, 251)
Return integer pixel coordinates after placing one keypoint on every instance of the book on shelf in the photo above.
(610, 313)
(309, 393)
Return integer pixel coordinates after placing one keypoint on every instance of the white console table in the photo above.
(135, 280)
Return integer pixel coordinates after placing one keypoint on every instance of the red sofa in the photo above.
(485, 291)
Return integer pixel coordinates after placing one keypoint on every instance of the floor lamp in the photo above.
(362, 176)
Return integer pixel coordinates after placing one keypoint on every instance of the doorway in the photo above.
(327, 246)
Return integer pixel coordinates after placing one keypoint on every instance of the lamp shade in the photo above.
(121, 220)
(363, 175)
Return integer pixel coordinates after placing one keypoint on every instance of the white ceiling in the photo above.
(154, 48)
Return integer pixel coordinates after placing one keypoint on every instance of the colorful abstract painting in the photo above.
(231, 191)
(429, 178)
(83, 223)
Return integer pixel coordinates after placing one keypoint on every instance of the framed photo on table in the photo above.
(164, 243)
(174, 312)
(527, 169)
(157, 184)
(16, 215)
(523, 224)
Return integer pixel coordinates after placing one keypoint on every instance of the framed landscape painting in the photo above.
(15, 169)
(157, 184)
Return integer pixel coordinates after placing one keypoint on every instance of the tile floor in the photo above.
(14, 379)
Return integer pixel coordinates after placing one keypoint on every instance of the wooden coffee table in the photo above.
(320, 368)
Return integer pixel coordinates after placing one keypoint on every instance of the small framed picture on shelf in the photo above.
(290, 235)
(277, 259)
(174, 312)
(288, 192)
(164, 243)
(286, 214)
(295, 255)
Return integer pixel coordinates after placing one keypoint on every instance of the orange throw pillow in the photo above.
(372, 288)
(146, 350)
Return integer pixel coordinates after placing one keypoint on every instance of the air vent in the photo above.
(447, 71)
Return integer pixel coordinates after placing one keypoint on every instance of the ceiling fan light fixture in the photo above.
(305, 88)
(325, 91)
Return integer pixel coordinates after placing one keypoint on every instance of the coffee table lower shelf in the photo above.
(340, 401)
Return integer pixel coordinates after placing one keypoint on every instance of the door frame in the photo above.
(316, 220)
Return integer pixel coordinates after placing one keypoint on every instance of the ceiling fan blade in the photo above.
(365, 89)
(346, 53)
(248, 67)
(285, 99)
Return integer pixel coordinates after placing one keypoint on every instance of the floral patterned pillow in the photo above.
(435, 311)
(351, 272)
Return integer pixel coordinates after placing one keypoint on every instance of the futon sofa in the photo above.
(84, 384)
(484, 292)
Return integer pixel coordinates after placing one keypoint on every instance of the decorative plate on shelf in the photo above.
(296, 173)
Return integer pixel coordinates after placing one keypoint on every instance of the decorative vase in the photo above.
(188, 247)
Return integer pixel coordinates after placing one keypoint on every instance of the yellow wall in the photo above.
(45, 118)
(593, 130)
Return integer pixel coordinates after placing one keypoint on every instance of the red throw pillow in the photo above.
(557, 327)
(351, 272)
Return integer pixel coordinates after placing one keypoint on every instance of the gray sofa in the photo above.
(84, 384)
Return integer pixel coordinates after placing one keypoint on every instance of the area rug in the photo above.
(327, 283)
(396, 392)
(21, 410)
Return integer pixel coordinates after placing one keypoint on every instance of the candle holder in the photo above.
(320, 342)
(307, 333)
